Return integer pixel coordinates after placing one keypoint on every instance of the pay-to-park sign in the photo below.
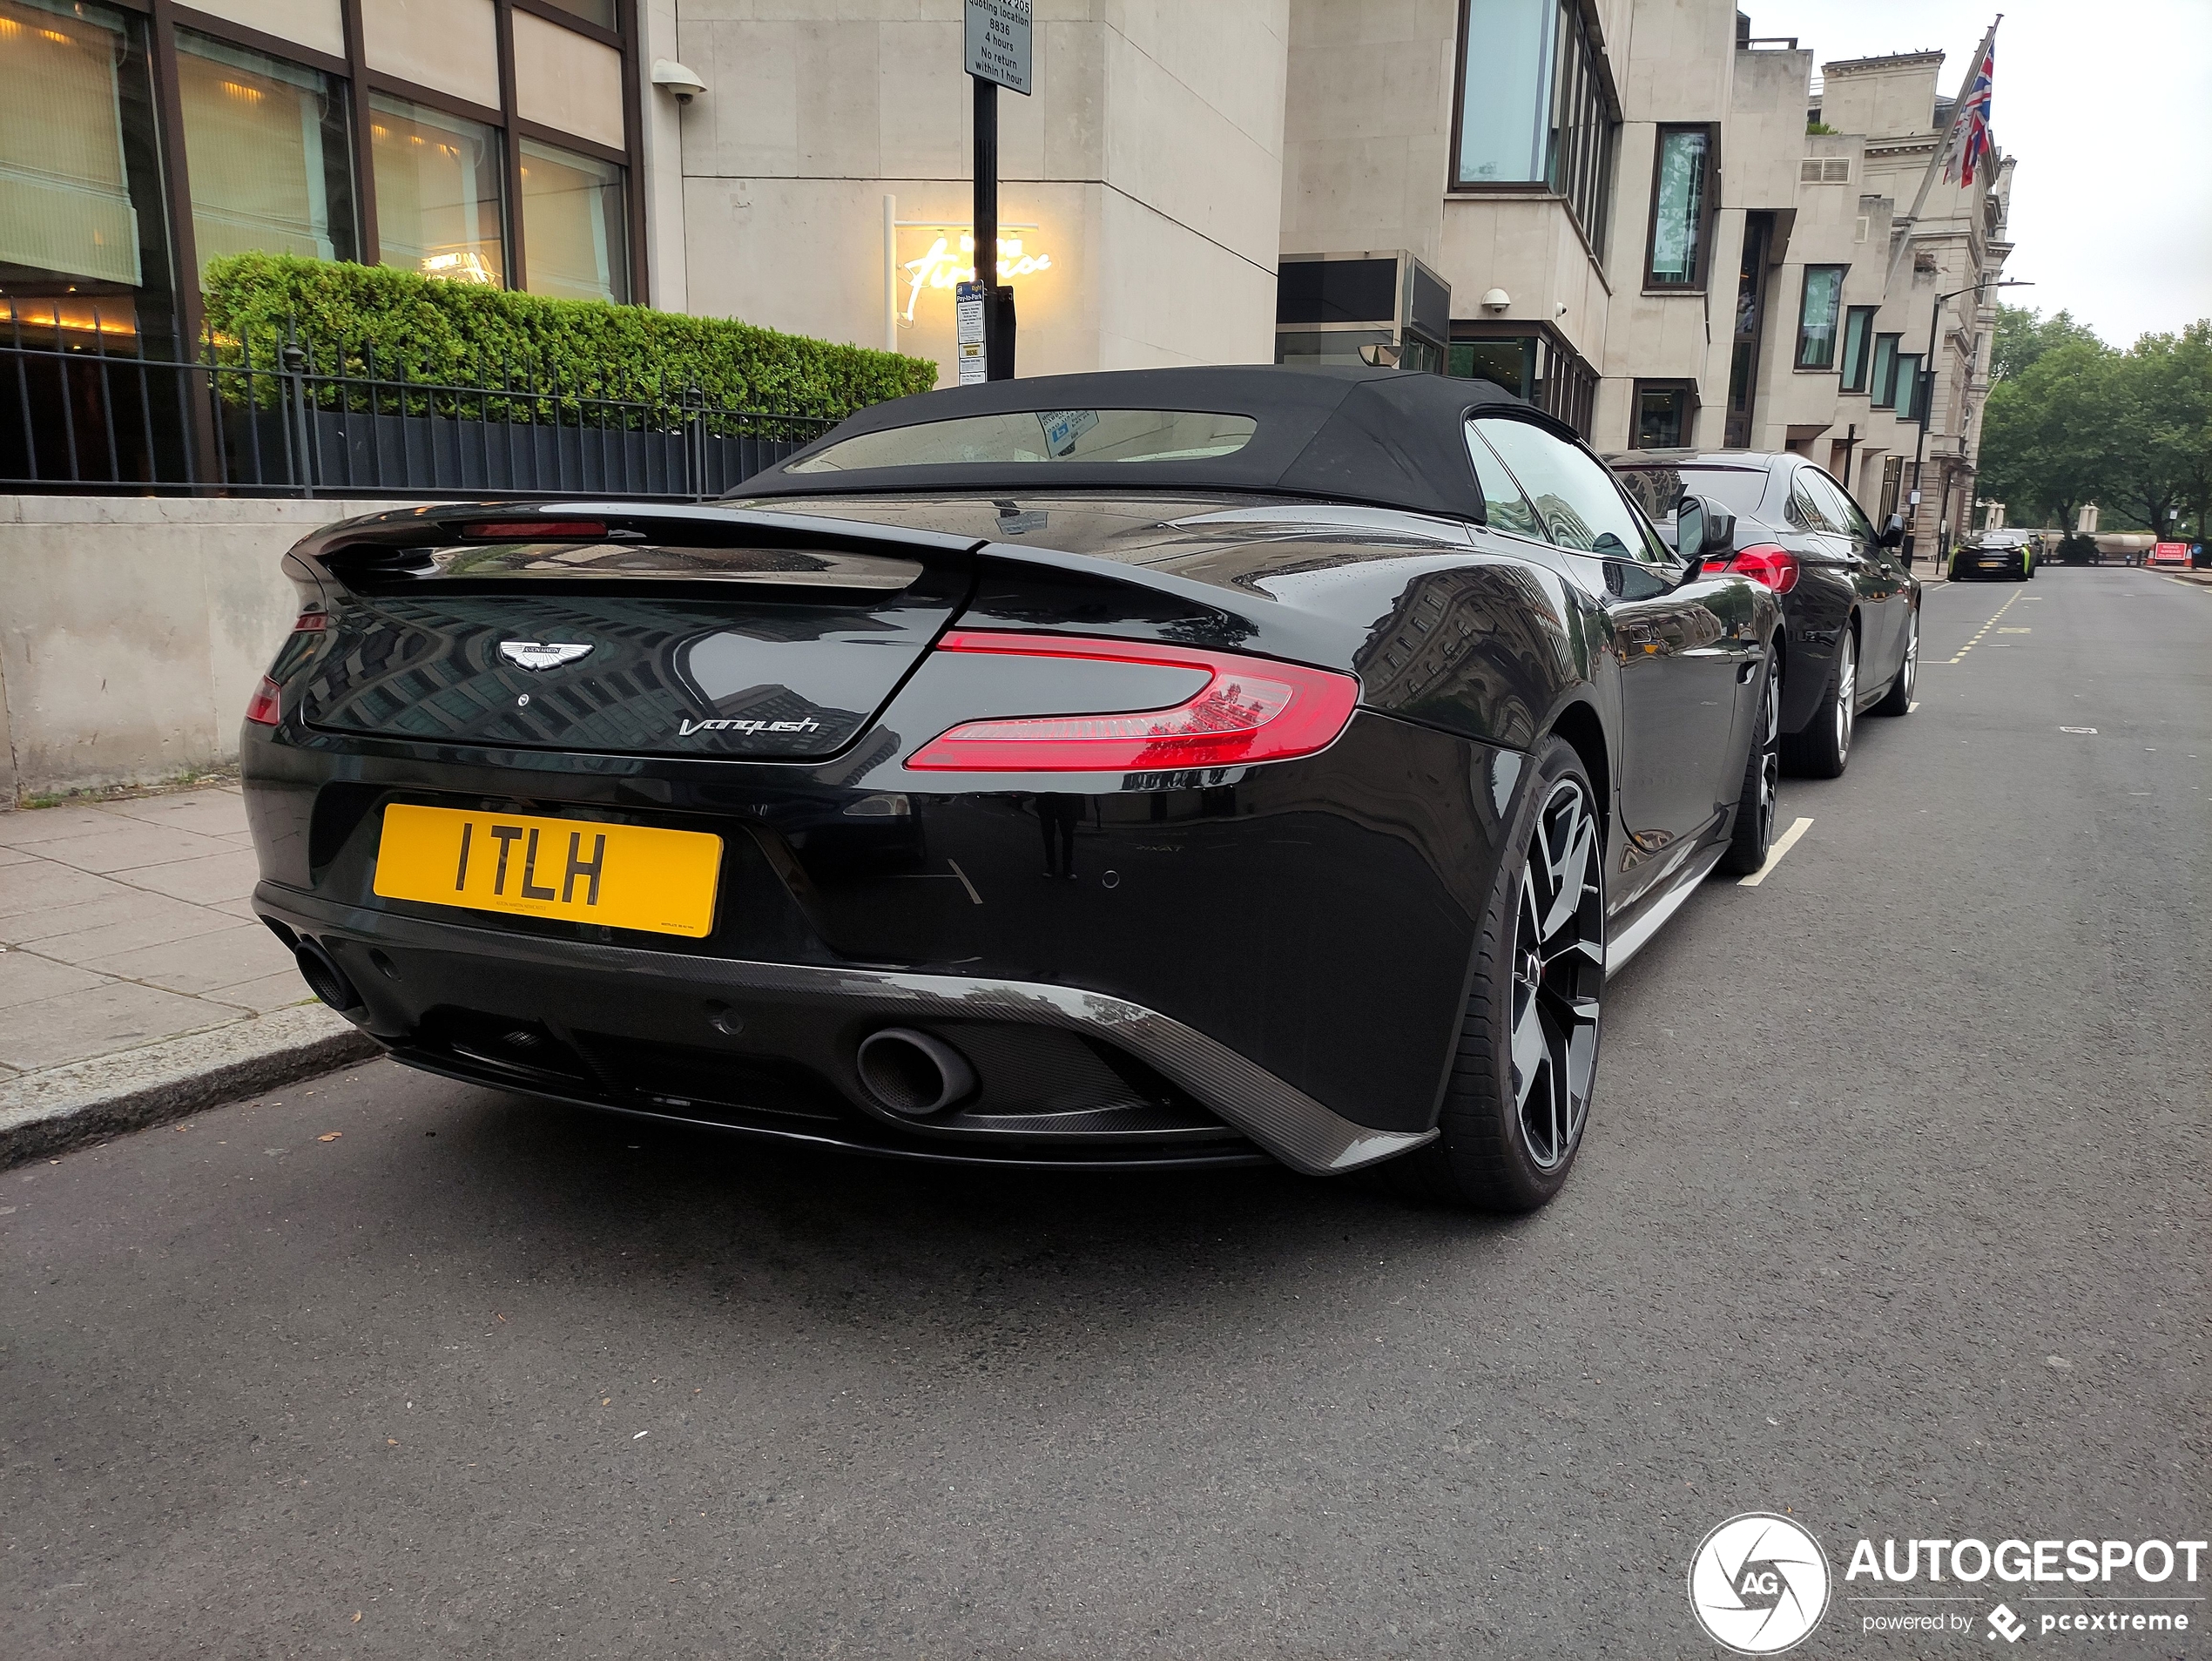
(998, 42)
(998, 55)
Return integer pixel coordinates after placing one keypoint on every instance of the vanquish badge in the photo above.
(540, 654)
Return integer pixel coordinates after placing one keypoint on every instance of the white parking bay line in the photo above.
(1782, 844)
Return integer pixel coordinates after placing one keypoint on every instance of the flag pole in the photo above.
(1942, 152)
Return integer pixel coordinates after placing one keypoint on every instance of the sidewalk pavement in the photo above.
(135, 981)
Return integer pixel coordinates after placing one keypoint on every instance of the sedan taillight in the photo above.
(1763, 561)
(1249, 709)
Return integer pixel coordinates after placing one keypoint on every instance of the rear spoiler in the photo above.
(396, 545)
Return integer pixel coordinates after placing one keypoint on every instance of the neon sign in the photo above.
(941, 268)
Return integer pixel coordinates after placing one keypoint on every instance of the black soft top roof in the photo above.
(1356, 434)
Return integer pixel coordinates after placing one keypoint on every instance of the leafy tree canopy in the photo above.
(2071, 420)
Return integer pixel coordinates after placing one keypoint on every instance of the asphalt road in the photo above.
(1893, 1214)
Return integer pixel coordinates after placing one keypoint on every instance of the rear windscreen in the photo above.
(1657, 488)
(1041, 435)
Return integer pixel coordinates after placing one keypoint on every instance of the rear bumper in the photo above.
(767, 1048)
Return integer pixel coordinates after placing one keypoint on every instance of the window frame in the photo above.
(1683, 388)
(162, 20)
(1701, 243)
(1881, 387)
(1854, 375)
(1905, 411)
(1575, 161)
(1827, 364)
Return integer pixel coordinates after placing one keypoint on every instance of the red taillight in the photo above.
(311, 623)
(535, 530)
(1763, 561)
(266, 704)
(1249, 708)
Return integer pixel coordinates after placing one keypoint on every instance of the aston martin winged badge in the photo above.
(540, 654)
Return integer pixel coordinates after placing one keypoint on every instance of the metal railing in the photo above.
(295, 419)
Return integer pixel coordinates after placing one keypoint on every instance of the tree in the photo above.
(2071, 421)
(2024, 335)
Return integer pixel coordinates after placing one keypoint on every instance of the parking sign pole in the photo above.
(987, 221)
(996, 40)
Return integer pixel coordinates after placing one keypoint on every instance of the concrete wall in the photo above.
(1146, 165)
(135, 629)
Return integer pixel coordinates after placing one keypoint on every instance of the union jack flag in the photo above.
(1970, 134)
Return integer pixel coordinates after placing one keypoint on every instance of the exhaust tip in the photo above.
(324, 978)
(912, 1073)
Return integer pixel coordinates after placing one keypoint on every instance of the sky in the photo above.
(2104, 104)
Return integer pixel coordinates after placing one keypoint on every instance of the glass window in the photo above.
(83, 222)
(1580, 504)
(1509, 362)
(1504, 507)
(599, 12)
(1807, 510)
(1884, 370)
(1662, 416)
(1533, 107)
(1678, 191)
(1504, 80)
(1905, 389)
(439, 208)
(1842, 511)
(575, 231)
(1740, 490)
(1043, 436)
(270, 163)
(1817, 315)
(1858, 342)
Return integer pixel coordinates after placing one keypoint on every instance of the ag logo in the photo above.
(1758, 1584)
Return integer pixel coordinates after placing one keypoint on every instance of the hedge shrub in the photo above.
(432, 330)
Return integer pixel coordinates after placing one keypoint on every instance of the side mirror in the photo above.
(1701, 530)
(1892, 533)
(1690, 530)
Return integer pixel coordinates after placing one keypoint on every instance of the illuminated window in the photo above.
(440, 209)
(575, 231)
(270, 166)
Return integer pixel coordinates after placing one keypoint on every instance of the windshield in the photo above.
(1042, 435)
(1657, 487)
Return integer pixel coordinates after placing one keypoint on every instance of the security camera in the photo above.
(1496, 300)
(671, 76)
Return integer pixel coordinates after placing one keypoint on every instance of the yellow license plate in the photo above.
(624, 876)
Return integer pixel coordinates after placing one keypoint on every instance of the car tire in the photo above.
(1823, 749)
(1756, 803)
(1518, 1098)
(1898, 700)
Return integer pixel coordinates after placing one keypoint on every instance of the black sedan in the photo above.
(1853, 609)
(1165, 768)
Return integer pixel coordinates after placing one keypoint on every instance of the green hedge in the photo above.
(435, 330)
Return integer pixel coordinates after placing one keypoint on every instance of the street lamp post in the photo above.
(1924, 397)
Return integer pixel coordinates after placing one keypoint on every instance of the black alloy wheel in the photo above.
(1519, 1096)
(1822, 749)
(1756, 805)
(1898, 700)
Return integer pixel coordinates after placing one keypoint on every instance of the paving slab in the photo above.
(135, 981)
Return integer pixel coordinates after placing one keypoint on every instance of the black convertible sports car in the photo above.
(1164, 767)
(1852, 609)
